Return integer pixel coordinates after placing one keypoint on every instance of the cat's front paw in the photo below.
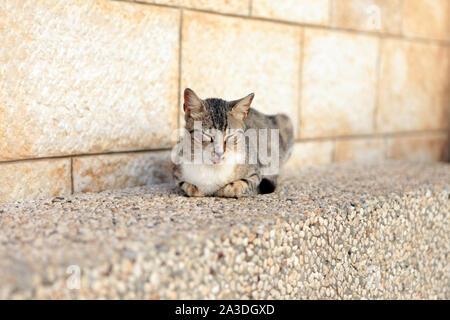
(234, 189)
(190, 190)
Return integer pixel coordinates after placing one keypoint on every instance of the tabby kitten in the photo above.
(229, 166)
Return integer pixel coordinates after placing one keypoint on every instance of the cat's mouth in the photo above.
(217, 159)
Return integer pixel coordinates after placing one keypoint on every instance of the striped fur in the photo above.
(224, 177)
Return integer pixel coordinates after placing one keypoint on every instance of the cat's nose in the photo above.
(218, 156)
(218, 150)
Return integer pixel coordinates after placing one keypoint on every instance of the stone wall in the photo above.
(90, 90)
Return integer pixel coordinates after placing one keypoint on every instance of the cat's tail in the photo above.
(286, 143)
(284, 124)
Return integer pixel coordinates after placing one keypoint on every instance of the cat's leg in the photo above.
(190, 190)
(268, 184)
(240, 188)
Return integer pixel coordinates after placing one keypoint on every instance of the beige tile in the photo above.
(361, 150)
(86, 76)
(311, 153)
(232, 57)
(368, 15)
(303, 11)
(30, 180)
(118, 171)
(414, 90)
(240, 7)
(424, 148)
(338, 84)
(427, 19)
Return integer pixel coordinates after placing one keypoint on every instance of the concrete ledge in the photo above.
(342, 231)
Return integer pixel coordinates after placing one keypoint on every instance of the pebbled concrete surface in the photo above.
(345, 231)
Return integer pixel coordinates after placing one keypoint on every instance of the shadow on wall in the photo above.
(446, 152)
(447, 156)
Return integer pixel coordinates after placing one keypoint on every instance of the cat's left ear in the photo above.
(242, 106)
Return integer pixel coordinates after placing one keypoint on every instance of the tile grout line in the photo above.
(377, 85)
(250, 7)
(313, 139)
(386, 147)
(71, 176)
(330, 13)
(306, 25)
(448, 143)
(375, 135)
(300, 84)
(402, 3)
(81, 155)
(180, 44)
(333, 151)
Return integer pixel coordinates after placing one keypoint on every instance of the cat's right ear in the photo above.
(242, 106)
(193, 105)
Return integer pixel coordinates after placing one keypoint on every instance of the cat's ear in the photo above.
(242, 106)
(193, 105)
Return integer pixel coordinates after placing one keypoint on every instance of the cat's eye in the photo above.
(207, 137)
(230, 137)
(234, 135)
(201, 136)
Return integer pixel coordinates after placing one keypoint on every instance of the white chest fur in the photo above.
(210, 178)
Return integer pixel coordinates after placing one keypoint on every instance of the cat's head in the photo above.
(216, 124)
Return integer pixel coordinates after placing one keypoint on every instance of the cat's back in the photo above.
(258, 120)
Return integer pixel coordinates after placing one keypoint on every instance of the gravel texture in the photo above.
(345, 231)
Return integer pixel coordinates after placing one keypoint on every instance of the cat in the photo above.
(219, 128)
